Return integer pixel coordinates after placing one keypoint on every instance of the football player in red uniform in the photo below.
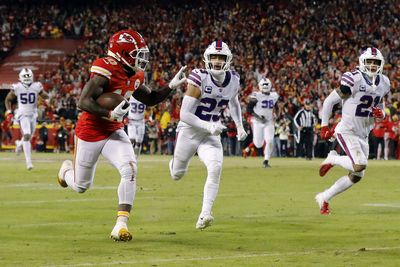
(100, 131)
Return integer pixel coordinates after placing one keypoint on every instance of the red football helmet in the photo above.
(129, 48)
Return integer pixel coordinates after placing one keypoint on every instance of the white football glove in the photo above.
(241, 133)
(118, 113)
(215, 128)
(178, 79)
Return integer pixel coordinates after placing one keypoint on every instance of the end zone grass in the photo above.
(263, 217)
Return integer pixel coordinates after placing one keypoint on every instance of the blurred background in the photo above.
(303, 47)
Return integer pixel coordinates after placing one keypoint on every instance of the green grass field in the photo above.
(263, 217)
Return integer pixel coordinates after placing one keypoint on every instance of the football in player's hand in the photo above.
(111, 100)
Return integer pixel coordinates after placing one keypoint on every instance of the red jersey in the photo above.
(92, 128)
(379, 129)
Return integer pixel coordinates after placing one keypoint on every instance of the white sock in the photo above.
(123, 217)
(343, 161)
(27, 151)
(209, 195)
(341, 185)
(268, 150)
(69, 179)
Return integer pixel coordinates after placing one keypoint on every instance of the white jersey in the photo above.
(27, 97)
(265, 104)
(357, 117)
(214, 98)
(136, 112)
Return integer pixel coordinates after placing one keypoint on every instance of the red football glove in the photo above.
(377, 113)
(326, 133)
(125, 121)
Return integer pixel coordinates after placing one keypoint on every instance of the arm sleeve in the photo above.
(236, 111)
(327, 107)
(188, 107)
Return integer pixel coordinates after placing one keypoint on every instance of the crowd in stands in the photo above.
(302, 46)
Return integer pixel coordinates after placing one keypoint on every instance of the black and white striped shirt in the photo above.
(305, 118)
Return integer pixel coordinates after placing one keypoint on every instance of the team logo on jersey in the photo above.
(362, 88)
(208, 89)
(137, 84)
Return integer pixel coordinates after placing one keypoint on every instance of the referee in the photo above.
(305, 121)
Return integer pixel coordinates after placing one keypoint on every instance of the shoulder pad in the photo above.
(385, 79)
(38, 85)
(234, 73)
(347, 79)
(104, 66)
(196, 76)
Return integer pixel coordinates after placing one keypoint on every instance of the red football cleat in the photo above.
(325, 209)
(327, 164)
(323, 205)
(323, 169)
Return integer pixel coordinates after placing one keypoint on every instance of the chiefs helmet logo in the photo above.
(126, 38)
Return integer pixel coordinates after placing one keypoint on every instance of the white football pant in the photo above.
(209, 148)
(117, 149)
(264, 132)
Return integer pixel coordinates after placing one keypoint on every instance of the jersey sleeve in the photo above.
(348, 79)
(102, 67)
(14, 87)
(38, 87)
(195, 77)
(139, 76)
(386, 82)
(236, 76)
(275, 96)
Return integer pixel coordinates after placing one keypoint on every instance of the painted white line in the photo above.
(45, 224)
(27, 202)
(53, 201)
(388, 205)
(242, 256)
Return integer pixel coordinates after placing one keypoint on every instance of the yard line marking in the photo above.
(388, 205)
(46, 224)
(52, 201)
(245, 256)
(25, 202)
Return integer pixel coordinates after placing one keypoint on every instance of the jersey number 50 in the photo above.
(28, 98)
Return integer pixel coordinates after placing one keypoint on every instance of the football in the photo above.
(111, 100)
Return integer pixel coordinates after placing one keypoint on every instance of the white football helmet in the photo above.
(265, 85)
(371, 68)
(217, 48)
(26, 76)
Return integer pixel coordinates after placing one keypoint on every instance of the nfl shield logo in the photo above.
(137, 83)
(362, 88)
